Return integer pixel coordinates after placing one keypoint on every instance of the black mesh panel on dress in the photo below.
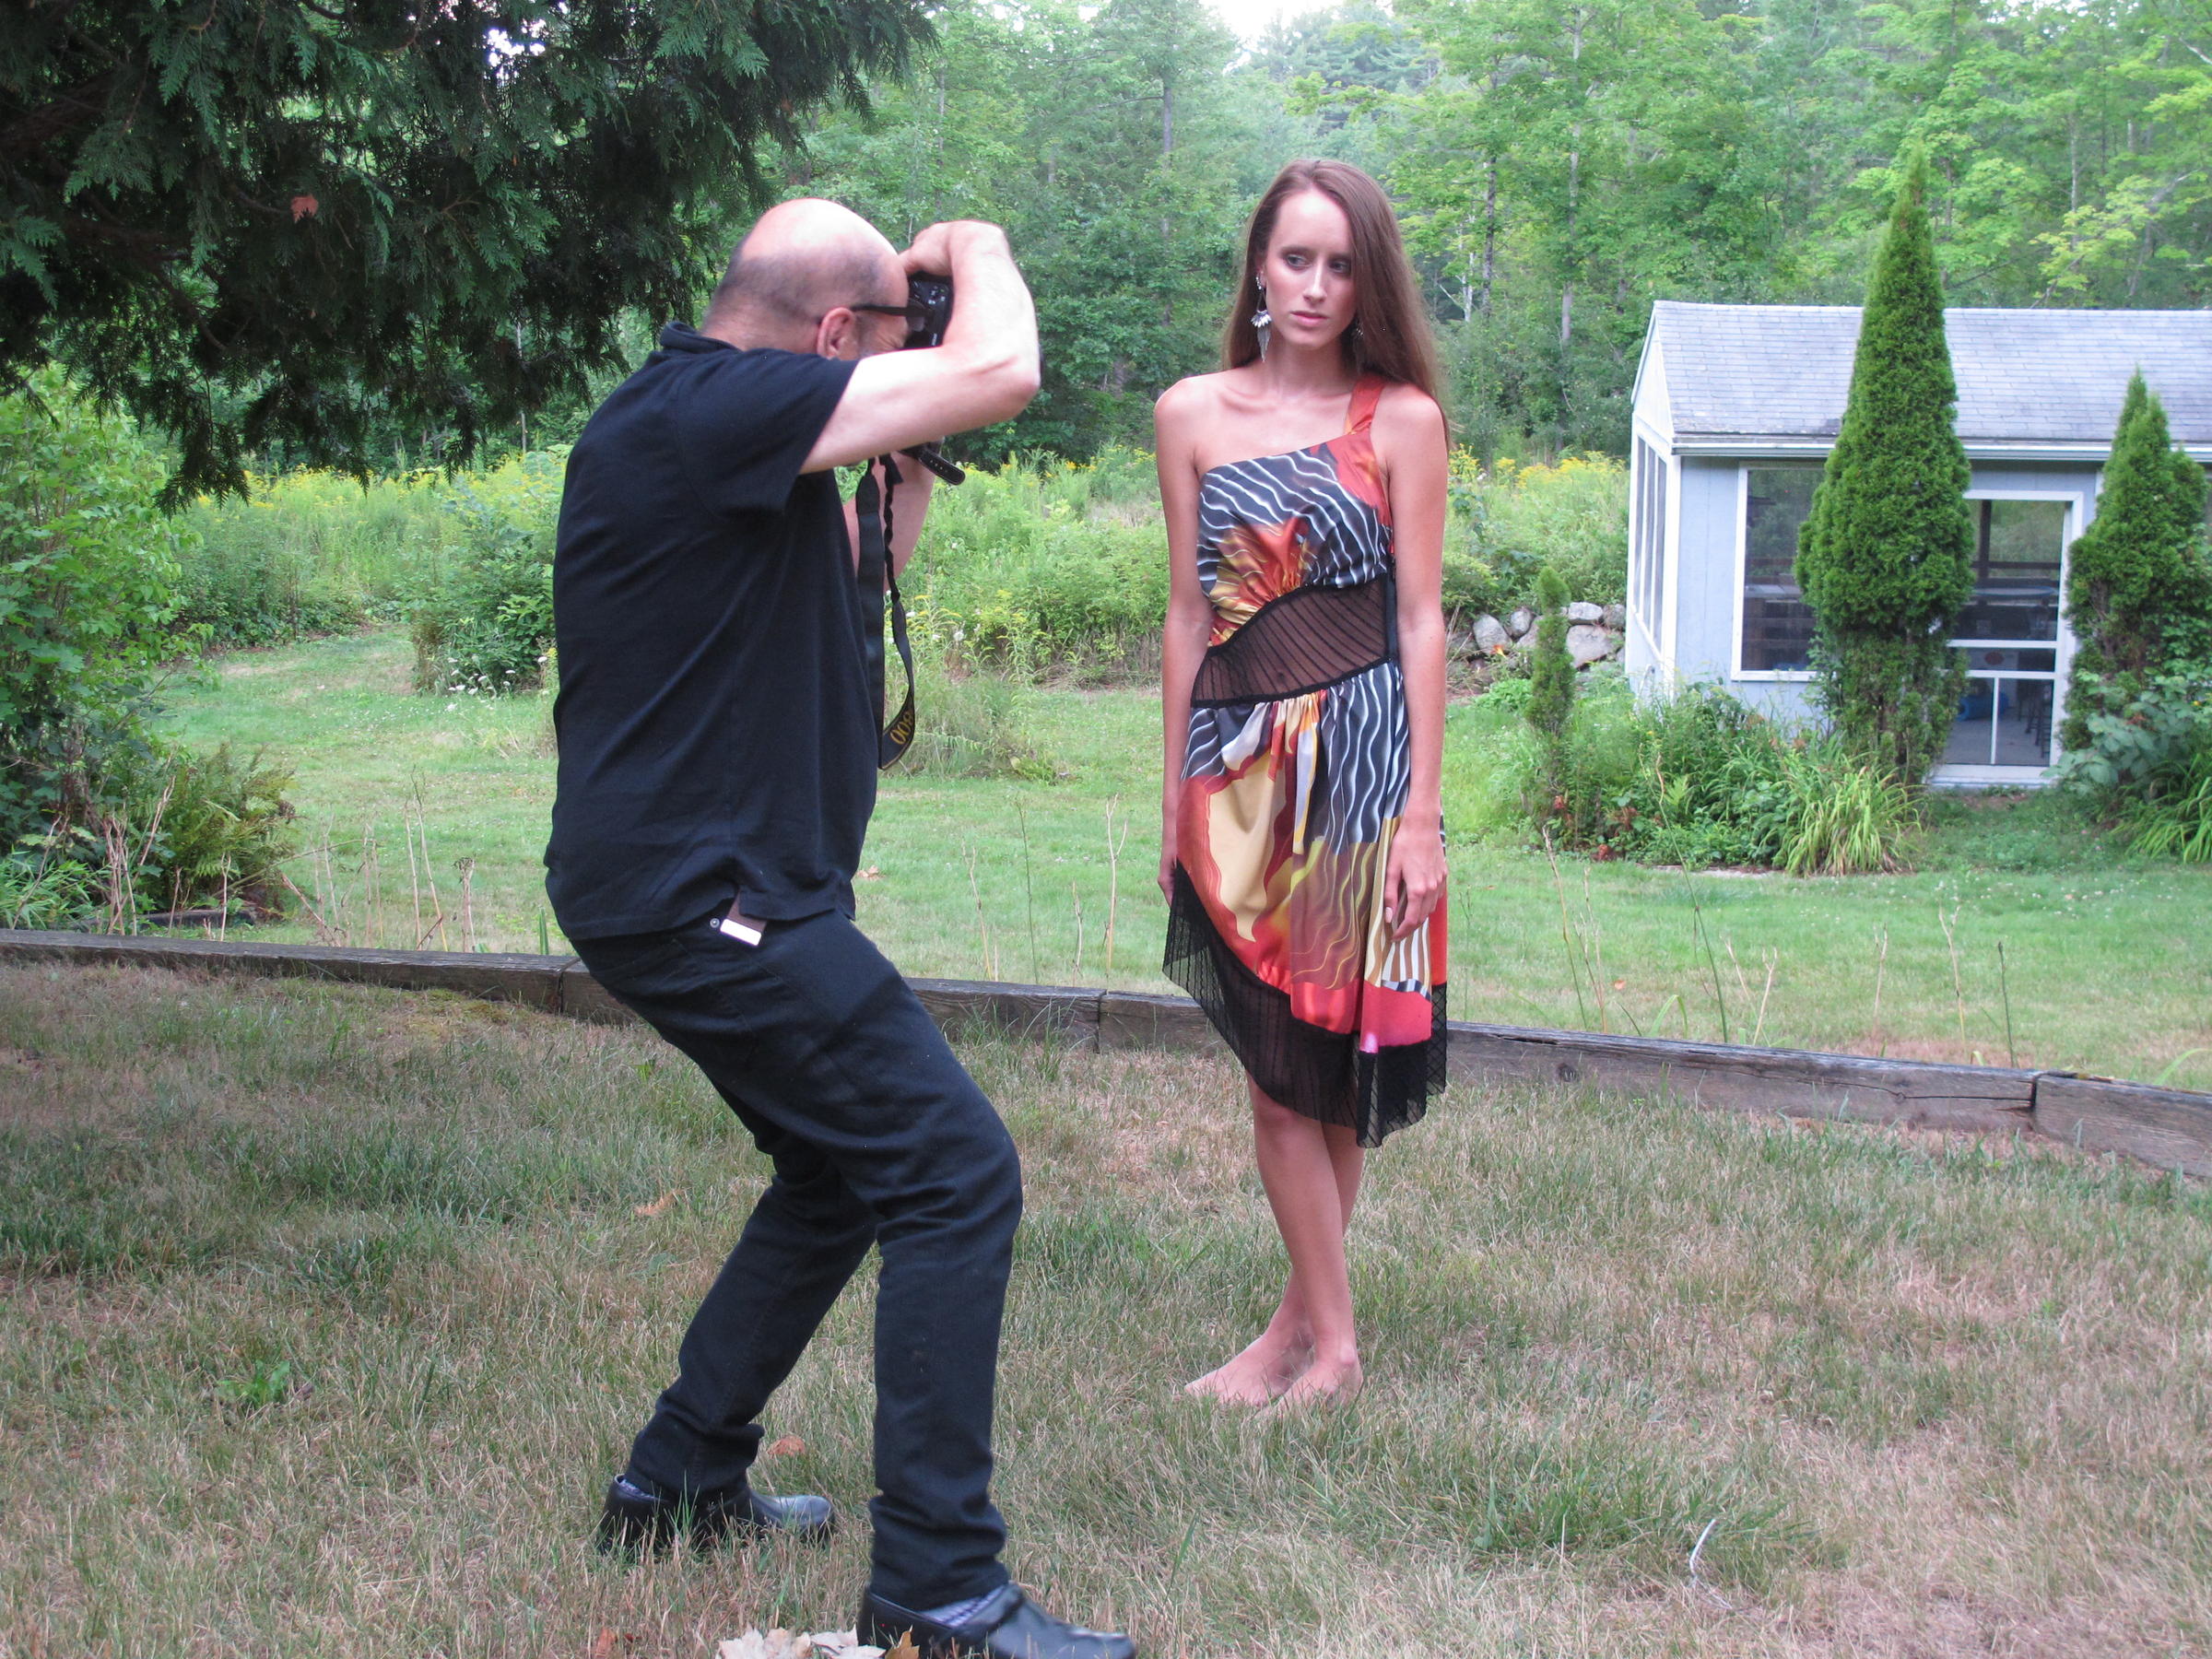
(1317, 1073)
(1309, 638)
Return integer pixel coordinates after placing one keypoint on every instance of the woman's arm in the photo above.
(1175, 421)
(1410, 443)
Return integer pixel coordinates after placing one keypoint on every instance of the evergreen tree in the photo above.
(1551, 687)
(281, 221)
(2138, 585)
(1886, 558)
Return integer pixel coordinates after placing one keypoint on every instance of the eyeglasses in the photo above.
(913, 315)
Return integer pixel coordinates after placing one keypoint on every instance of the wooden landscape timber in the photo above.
(2170, 1128)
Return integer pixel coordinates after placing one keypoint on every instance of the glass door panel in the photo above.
(2002, 721)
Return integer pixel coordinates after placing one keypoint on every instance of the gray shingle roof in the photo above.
(2025, 376)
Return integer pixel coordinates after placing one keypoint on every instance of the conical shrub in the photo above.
(2138, 585)
(1886, 558)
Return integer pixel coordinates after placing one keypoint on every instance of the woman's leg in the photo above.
(1311, 1174)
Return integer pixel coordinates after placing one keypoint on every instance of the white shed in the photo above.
(1736, 406)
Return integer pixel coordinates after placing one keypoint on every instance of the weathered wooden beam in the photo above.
(1067, 1013)
(2169, 1127)
(534, 980)
(1795, 1082)
(1130, 1020)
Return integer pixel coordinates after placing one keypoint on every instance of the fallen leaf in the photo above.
(304, 207)
(659, 1207)
(608, 1643)
(905, 1649)
(791, 1445)
(871, 874)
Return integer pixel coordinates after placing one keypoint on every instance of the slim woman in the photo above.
(1302, 848)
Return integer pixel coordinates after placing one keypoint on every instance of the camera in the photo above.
(928, 310)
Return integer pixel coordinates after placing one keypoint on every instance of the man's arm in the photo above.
(985, 371)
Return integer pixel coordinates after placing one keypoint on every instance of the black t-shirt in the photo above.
(715, 734)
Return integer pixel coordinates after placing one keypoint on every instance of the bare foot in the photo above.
(1258, 1374)
(1323, 1383)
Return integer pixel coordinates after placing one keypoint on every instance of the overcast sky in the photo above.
(1247, 19)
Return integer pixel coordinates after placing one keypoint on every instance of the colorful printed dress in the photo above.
(1293, 783)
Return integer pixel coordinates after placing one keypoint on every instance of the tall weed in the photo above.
(1510, 520)
(1844, 815)
(1042, 566)
(310, 553)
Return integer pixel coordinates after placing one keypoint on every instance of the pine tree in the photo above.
(285, 222)
(2138, 578)
(1886, 558)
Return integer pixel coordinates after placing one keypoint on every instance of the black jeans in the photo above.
(877, 1136)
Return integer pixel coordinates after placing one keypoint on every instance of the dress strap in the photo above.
(1366, 395)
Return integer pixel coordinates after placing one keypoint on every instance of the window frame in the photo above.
(2075, 502)
(1736, 670)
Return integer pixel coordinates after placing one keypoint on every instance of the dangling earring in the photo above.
(1262, 322)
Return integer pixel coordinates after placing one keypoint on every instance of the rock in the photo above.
(1581, 610)
(1587, 644)
(1616, 616)
(1490, 636)
(1521, 622)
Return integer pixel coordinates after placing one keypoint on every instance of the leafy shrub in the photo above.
(309, 553)
(1697, 778)
(2148, 766)
(1509, 521)
(1039, 566)
(217, 827)
(88, 574)
(483, 621)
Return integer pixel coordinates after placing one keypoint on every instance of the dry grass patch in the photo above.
(328, 1311)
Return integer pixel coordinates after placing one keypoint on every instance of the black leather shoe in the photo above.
(637, 1519)
(1009, 1626)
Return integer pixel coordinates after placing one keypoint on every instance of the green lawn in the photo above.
(2104, 964)
(326, 1313)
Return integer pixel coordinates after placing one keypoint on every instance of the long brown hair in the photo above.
(1390, 330)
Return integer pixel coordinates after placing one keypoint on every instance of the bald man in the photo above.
(718, 732)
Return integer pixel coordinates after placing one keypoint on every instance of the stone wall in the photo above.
(1595, 632)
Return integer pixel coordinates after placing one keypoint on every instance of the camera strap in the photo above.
(872, 514)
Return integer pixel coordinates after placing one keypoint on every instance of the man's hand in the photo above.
(985, 371)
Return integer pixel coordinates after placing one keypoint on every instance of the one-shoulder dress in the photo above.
(1294, 781)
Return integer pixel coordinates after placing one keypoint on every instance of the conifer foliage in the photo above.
(257, 222)
(1885, 559)
(2139, 583)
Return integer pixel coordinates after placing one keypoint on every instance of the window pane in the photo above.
(1778, 624)
(2017, 549)
(1991, 659)
(2002, 721)
(2023, 717)
(1969, 744)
